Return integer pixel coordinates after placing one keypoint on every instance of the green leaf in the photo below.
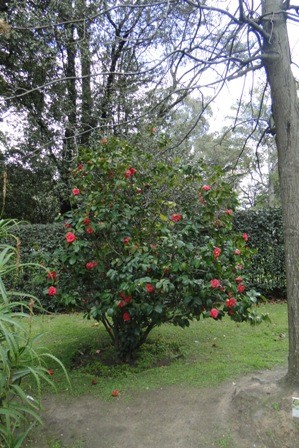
(163, 218)
(110, 312)
(158, 308)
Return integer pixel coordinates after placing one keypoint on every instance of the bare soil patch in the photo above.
(249, 412)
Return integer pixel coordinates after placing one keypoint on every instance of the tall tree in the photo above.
(285, 106)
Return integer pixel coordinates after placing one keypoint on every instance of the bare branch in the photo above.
(254, 128)
(215, 9)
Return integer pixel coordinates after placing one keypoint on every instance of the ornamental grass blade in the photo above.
(19, 412)
(21, 439)
(10, 340)
(3, 292)
(21, 394)
(50, 356)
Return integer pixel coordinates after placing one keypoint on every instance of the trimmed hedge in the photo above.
(264, 227)
(37, 239)
(265, 231)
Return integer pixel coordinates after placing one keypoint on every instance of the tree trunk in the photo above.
(285, 107)
(69, 144)
(87, 119)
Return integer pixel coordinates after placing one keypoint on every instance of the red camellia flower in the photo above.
(80, 167)
(50, 372)
(216, 252)
(52, 291)
(130, 172)
(206, 187)
(86, 221)
(70, 237)
(128, 299)
(215, 283)
(229, 211)
(214, 313)
(126, 240)
(89, 230)
(52, 275)
(91, 264)
(115, 393)
(241, 287)
(67, 225)
(245, 236)
(237, 252)
(75, 191)
(138, 190)
(176, 217)
(126, 317)
(149, 288)
(239, 279)
(230, 303)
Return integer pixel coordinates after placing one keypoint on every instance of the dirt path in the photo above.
(253, 412)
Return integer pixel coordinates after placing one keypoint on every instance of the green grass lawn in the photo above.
(204, 354)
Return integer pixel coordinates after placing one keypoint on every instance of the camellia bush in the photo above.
(151, 242)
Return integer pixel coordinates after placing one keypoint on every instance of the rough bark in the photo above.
(285, 106)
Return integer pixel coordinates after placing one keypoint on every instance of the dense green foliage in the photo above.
(265, 230)
(28, 194)
(266, 273)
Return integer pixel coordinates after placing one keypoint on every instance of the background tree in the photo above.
(250, 152)
(79, 68)
(32, 188)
